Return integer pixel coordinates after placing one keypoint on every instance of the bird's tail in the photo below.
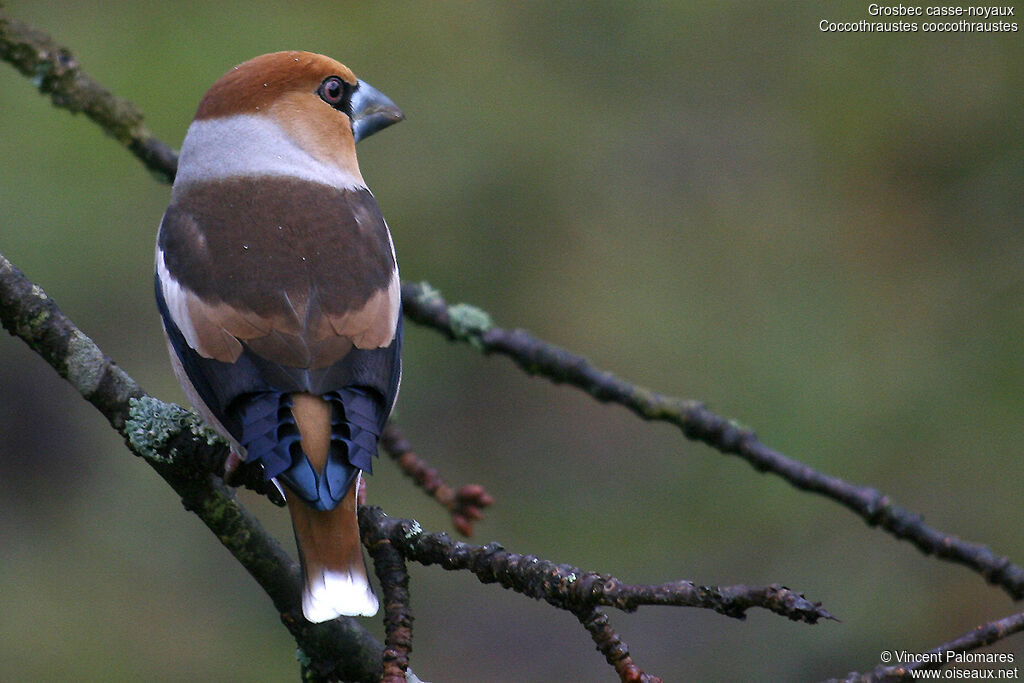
(332, 561)
(317, 446)
(328, 540)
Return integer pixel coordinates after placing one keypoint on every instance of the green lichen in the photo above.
(428, 294)
(739, 426)
(152, 423)
(85, 364)
(42, 72)
(469, 323)
(38, 293)
(39, 319)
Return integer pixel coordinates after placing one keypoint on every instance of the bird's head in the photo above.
(317, 103)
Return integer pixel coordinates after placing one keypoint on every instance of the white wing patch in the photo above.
(176, 299)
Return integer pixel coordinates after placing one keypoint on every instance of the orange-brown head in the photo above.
(313, 100)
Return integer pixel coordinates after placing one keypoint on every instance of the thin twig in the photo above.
(570, 588)
(575, 590)
(389, 565)
(611, 646)
(55, 71)
(465, 505)
(424, 305)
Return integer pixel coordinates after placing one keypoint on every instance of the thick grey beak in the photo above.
(372, 111)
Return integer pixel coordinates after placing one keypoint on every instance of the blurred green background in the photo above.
(817, 234)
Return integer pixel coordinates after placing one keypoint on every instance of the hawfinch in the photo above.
(278, 287)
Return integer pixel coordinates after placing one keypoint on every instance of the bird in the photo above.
(278, 288)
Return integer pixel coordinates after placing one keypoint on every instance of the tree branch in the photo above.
(465, 505)
(570, 588)
(172, 441)
(574, 590)
(389, 566)
(463, 323)
(611, 646)
(54, 70)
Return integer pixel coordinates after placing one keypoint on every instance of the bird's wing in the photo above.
(298, 271)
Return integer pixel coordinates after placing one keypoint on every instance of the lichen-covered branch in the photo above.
(465, 505)
(577, 591)
(187, 457)
(952, 653)
(54, 70)
(570, 588)
(425, 305)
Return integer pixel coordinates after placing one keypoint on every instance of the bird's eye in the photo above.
(336, 92)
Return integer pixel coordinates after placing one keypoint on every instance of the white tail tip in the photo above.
(335, 594)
